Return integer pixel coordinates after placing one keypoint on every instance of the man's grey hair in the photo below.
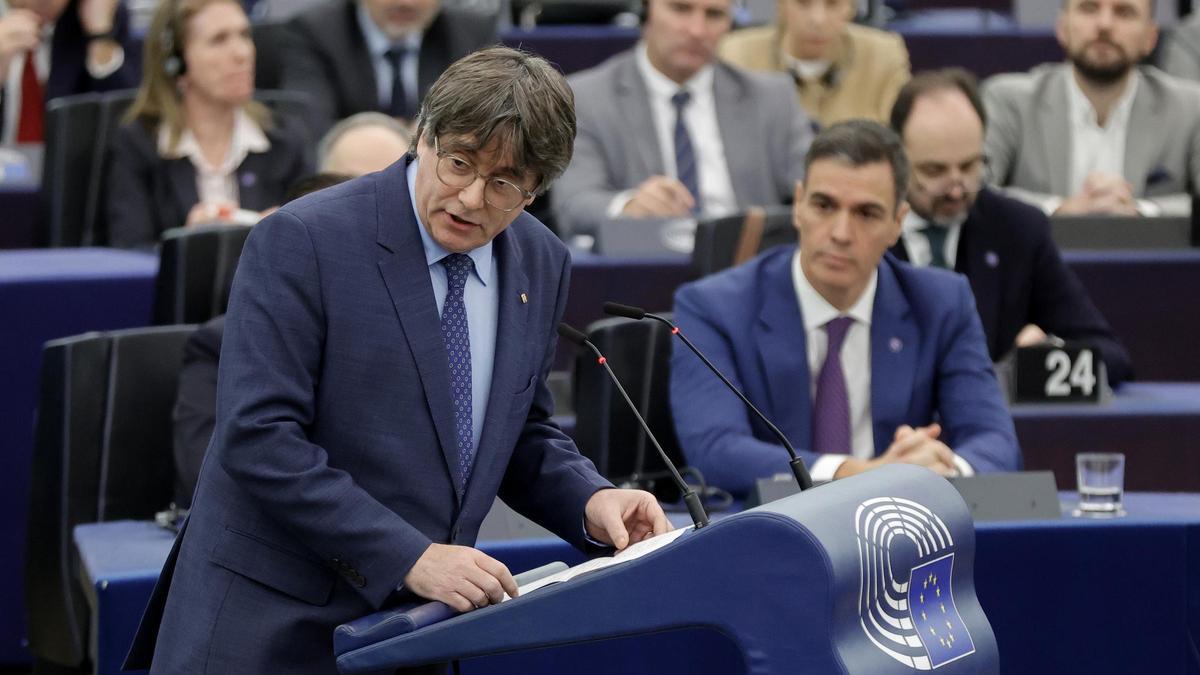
(363, 119)
(862, 142)
(508, 97)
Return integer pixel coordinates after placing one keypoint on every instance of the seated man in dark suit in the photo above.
(1023, 290)
(860, 359)
(352, 56)
(76, 46)
(382, 380)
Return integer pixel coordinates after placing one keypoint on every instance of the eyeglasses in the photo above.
(938, 180)
(456, 172)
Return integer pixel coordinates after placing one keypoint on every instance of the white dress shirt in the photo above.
(856, 367)
(700, 116)
(916, 244)
(1098, 148)
(217, 182)
(377, 44)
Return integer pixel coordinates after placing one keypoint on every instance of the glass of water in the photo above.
(1101, 480)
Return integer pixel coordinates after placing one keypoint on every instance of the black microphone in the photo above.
(628, 311)
(695, 508)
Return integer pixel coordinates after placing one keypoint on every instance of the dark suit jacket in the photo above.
(147, 194)
(331, 469)
(195, 406)
(326, 57)
(928, 363)
(68, 59)
(1018, 278)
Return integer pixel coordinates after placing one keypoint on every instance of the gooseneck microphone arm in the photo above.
(695, 508)
(803, 479)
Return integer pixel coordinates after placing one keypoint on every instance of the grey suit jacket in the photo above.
(764, 132)
(1028, 141)
(325, 56)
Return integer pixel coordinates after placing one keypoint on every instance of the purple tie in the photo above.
(831, 418)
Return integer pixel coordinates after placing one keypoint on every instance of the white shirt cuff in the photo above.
(99, 71)
(964, 467)
(825, 467)
(1148, 208)
(617, 205)
(1051, 204)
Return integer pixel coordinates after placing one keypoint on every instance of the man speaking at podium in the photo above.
(382, 378)
(860, 359)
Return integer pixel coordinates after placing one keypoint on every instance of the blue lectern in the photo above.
(871, 574)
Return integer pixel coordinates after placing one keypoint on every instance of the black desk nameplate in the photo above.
(1070, 373)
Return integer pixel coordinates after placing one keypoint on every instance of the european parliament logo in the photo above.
(906, 600)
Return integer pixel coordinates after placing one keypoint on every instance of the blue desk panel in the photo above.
(44, 295)
(1064, 596)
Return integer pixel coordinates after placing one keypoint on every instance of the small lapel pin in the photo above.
(895, 345)
(991, 259)
(524, 299)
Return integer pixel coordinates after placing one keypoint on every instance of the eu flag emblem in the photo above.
(934, 616)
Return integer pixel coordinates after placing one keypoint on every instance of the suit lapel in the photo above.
(510, 361)
(634, 105)
(733, 109)
(894, 351)
(254, 171)
(358, 84)
(1143, 136)
(406, 275)
(181, 176)
(979, 260)
(783, 352)
(1055, 132)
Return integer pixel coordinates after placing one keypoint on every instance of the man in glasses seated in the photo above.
(1022, 288)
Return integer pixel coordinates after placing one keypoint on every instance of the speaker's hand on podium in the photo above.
(462, 577)
(623, 517)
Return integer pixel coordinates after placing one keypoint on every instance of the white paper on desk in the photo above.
(630, 553)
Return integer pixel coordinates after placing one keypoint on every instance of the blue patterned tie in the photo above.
(458, 348)
(831, 419)
(685, 155)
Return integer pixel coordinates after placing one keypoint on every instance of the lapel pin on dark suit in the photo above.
(991, 259)
(249, 179)
(524, 299)
(895, 345)
(1157, 175)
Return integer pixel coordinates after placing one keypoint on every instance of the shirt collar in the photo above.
(482, 256)
(1081, 108)
(661, 86)
(817, 311)
(247, 137)
(378, 41)
(914, 222)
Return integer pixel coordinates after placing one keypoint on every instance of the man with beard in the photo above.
(1023, 290)
(1100, 133)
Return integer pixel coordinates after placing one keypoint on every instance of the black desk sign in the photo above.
(1070, 373)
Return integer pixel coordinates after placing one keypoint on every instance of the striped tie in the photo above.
(685, 155)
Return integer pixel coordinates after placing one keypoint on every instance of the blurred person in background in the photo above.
(54, 48)
(842, 70)
(195, 147)
(363, 143)
(352, 56)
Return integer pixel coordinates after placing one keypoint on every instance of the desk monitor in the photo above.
(645, 237)
(1121, 232)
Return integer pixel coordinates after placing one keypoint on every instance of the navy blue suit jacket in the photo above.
(330, 470)
(928, 363)
(1019, 278)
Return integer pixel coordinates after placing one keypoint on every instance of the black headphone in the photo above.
(173, 65)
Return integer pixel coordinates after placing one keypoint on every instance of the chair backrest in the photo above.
(195, 272)
(102, 451)
(269, 39)
(732, 240)
(639, 354)
(77, 131)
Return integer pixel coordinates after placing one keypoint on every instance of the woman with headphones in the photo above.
(195, 147)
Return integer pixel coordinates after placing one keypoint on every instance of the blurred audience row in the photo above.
(692, 121)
